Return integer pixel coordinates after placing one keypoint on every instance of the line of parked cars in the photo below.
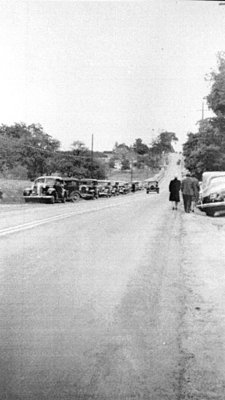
(52, 189)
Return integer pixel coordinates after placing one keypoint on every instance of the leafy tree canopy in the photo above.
(28, 149)
(164, 143)
(205, 150)
(26, 145)
(216, 98)
(139, 147)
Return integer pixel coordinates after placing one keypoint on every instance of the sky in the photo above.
(117, 70)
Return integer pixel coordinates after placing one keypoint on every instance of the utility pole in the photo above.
(92, 158)
(131, 164)
(203, 110)
(131, 171)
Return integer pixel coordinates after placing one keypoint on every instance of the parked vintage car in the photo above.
(127, 187)
(123, 187)
(136, 185)
(114, 188)
(212, 195)
(46, 189)
(104, 188)
(72, 186)
(152, 187)
(89, 188)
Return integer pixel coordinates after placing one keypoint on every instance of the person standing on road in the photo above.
(174, 189)
(196, 189)
(187, 188)
(58, 188)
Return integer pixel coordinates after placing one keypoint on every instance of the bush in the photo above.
(18, 172)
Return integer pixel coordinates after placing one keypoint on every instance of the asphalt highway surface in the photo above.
(91, 299)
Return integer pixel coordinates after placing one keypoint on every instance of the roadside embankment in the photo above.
(12, 190)
(203, 323)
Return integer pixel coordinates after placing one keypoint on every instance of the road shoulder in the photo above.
(202, 331)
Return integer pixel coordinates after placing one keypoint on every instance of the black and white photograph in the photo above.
(112, 200)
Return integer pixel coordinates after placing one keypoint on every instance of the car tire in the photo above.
(74, 197)
(52, 200)
(210, 213)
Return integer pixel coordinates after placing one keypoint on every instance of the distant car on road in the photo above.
(152, 187)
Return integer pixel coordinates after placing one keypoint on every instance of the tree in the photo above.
(28, 146)
(125, 164)
(205, 150)
(139, 147)
(121, 150)
(112, 163)
(80, 166)
(216, 97)
(79, 147)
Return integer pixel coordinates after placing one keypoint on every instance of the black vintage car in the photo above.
(104, 188)
(152, 187)
(72, 186)
(80, 189)
(89, 188)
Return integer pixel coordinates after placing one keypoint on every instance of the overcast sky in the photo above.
(117, 70)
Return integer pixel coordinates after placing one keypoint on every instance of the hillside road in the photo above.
(94, 300)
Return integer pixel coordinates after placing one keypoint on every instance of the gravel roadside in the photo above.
(202, 330)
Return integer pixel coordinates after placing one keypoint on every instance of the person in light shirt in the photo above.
(187, 188)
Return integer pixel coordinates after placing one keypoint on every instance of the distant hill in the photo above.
(138, 175)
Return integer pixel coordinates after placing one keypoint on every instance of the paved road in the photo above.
(91, 300)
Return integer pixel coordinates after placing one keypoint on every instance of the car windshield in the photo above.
(104, 184)
(209, 178)
(86, 183)
(70, 180)
(39, 180)
(217, 181)
(50, 181)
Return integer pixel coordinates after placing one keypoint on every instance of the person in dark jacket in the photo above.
(187, 188)
(174, 189)
(58, 188)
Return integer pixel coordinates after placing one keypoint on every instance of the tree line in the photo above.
(140, 155)
(205, 150)
(26, 151)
